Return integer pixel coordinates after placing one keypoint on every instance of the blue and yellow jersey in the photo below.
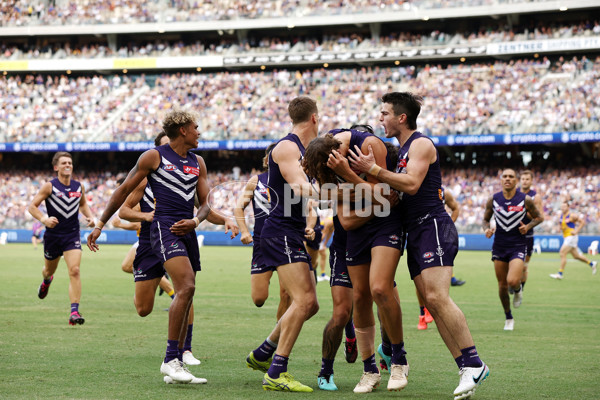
(566, 225)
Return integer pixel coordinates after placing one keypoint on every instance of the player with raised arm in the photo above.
(65, 198)
(373, 249)
(509, 208)
(432, 239)
(282, 245)
(175, 175)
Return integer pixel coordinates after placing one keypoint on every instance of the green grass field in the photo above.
(553, 353)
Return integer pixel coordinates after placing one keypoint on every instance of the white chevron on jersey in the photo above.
(508, 220)
(179, 190)
(260, 200)
(179, 173)
(66, 206)
(148, 197)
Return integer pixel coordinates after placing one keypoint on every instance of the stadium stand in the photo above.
(65, 12)
(518, 96)
(472, 187)
(531, 68)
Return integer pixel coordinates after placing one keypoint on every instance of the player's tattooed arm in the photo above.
(536, 216)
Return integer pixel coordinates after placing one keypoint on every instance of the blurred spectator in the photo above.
(471, 187)
(518, 96)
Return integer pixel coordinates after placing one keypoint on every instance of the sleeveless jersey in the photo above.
(260, 204)
(339, 234)
(567, 226)
(428, 201)
(509, 213)
(284, 217)
(146, 205)
(63, 204)
(174, 184)
(531, 193)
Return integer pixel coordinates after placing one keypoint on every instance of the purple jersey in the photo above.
(339, 234)
(428, 201)
(260, 203)
(146, 206)
(527, 220)
(174, 184)
(63, 204)
(283, 218)
(509, 214)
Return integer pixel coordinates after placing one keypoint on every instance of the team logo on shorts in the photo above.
(394, 237)
(174, 245)
(427, 255)
(287, 251)
(520, 255)
(77, 243)
(439, 251)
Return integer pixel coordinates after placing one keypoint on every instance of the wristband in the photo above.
(374, 170)
(99, 225)
(43, 219)
(197, 221)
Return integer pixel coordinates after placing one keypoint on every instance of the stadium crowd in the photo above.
(59, 109)
(328, 42)
(72, 12)
(471, 188)
(517, 96)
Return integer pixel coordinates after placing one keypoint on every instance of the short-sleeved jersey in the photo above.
(509, 214)
(566, 225)
(531, 193)
(146, 206)
(260, 203)
(285, 216)
(63, 203)
(428, 202)
(173, 184)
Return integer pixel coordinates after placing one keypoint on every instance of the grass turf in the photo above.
(552, 354)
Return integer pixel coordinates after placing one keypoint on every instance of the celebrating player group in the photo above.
(387, 203)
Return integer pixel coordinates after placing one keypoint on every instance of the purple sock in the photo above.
(172, 350)
(508, 315)
(386, 347)
(459, 361)
(74, 307)
(278, 366)
(421, 310)
(349, 328)
(470, 358)
(398, 354)
(370, 365)
(187, 345)
(264, 351)
(326, 367)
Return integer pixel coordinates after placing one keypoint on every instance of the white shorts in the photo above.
(571, 241)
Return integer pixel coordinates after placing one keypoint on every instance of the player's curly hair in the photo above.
(175, 119)
(315, 159)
